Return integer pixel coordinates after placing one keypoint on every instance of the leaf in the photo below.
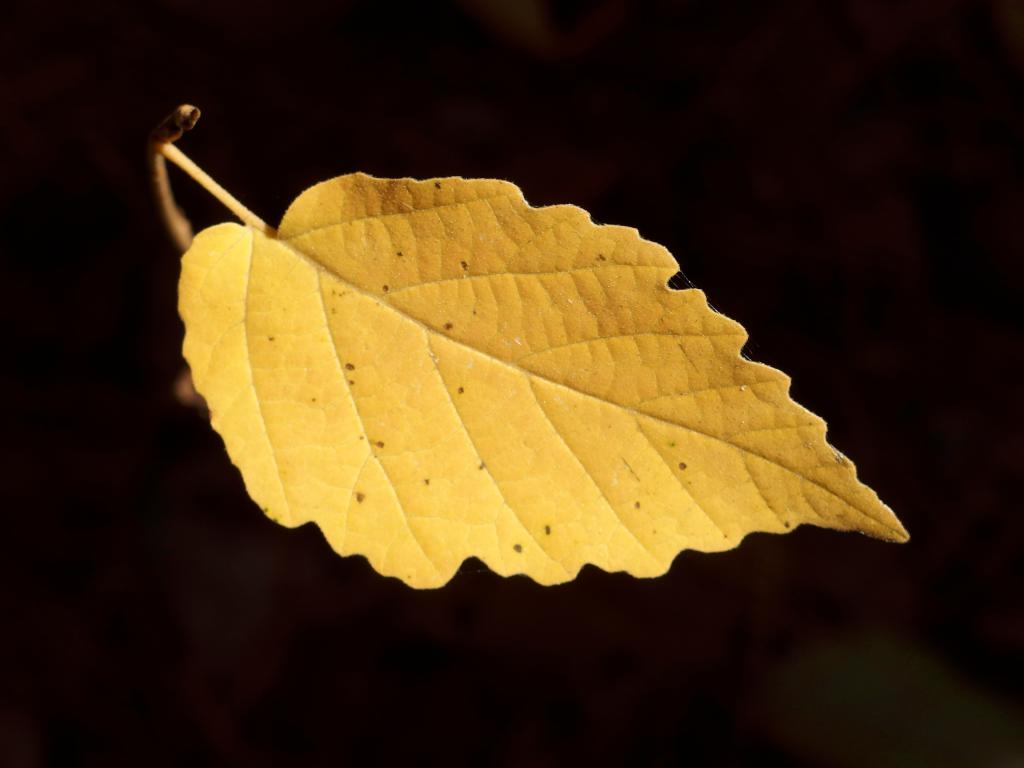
(433, 370)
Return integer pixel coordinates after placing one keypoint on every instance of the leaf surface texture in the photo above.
(433, 370)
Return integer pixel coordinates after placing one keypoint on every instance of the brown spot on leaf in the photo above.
(270, 338)
(600, 257)
(426, 481)
(350, 381)
(349, 367)
(398, 254)
(461, 390)
(380, 443)
(482, 465)
(682, 465)
(448, 326)
(517, 547)
(437, 185)
(547, 530)
(636, 505)
(360, 496)
(465, 266)
(384, 288)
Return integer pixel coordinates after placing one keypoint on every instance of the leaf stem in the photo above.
(161, 146)
(204, 180)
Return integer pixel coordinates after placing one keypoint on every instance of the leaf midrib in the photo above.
(294, 249)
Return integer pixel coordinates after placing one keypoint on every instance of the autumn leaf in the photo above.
(435, 370)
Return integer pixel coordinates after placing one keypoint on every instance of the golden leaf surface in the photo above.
(433, 370)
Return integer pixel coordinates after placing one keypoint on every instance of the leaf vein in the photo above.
(380, 216)
(545, 273)
(252, 381)
(590, 476)
(649, 334)
(480, 456)
(675, 477)
(362, 425)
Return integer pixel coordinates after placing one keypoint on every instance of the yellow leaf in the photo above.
(433, 370)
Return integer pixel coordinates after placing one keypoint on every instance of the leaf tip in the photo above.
(891, 530)
(900, 535)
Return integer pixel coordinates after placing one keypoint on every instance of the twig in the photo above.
(161, 146)
(170, 129)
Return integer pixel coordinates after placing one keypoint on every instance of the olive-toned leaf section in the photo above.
(433, 370)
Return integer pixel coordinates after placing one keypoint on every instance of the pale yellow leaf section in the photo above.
(433, 370)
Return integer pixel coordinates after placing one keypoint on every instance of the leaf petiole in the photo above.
(161, 146)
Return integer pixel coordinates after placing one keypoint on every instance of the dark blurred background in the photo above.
(844, 178)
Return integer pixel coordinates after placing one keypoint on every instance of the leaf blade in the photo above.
(439, 304)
